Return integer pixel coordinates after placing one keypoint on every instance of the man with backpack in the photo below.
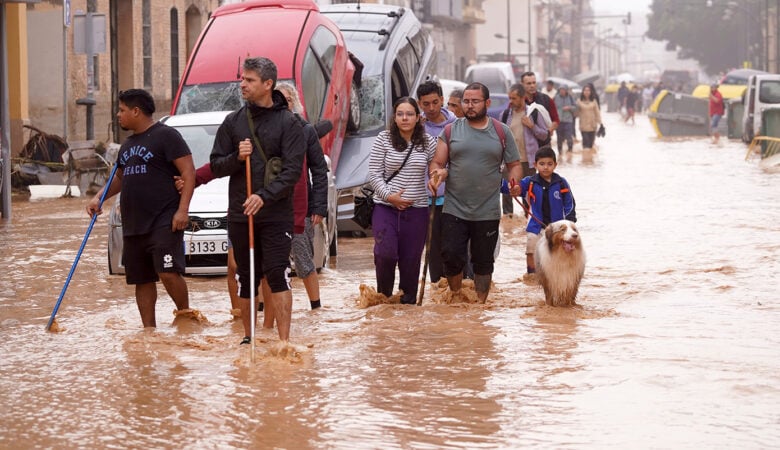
(469, 159)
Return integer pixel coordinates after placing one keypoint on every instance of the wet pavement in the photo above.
(675, 343)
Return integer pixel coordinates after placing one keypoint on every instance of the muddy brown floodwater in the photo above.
(675, 344)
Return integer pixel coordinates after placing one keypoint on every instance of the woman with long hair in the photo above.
(397, 167)
(590, 117)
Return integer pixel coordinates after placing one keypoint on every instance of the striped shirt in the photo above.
(385, 160)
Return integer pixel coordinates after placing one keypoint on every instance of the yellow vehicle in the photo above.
(728, 91)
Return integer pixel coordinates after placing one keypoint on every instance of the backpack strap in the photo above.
(505, 115)
(530, 195)
(500, 131)
(447, 133)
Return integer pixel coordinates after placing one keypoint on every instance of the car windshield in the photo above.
(364, 40)
(491, 78)
(735, 80)
(200, 139)
(372, 103)
(225, 96)
(769, 91)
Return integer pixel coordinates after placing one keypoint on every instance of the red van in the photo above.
(306, 46)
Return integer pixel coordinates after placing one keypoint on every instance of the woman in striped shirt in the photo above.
(397, 166)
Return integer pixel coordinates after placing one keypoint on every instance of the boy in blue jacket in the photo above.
(550, 198)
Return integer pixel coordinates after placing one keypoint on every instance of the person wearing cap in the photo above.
(716, 112)
(567, 106)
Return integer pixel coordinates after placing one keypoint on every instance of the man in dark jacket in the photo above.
(528, 79)
(270, 207)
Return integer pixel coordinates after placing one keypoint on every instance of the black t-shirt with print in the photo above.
(149, 196)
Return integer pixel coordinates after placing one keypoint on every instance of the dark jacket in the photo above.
(280, 134)
(318, 167)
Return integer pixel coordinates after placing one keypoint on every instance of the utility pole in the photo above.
(576, 54)
(530, 51)
(508, 34)
(5, 121)
(89, 50)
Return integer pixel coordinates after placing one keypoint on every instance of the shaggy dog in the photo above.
(560, 262)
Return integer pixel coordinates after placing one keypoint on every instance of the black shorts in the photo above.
(146, 255)
(273, 242)
(455, 236)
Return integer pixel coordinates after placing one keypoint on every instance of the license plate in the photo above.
(205, 247)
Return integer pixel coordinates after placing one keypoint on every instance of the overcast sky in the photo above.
(620, 6)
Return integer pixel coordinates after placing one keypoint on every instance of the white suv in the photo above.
(205, 240)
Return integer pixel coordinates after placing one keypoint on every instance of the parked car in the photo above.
(397, 54)
(497, 76)
(448, 86)
(740, 76)
(498, 103)
(763, 92)
(574, 88)
(307, 47)
(205, 240)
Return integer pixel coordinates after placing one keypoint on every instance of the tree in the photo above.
(719, 34)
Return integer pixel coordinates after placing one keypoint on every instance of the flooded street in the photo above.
(675, 344)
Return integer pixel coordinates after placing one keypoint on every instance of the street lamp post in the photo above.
(501, 36)
(508, 34)
(530, 53)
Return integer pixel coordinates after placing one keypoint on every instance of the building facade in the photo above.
(138, 44)
(146, 44)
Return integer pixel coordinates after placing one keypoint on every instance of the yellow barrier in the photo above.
(772, 147)
(613, 88)
(654, 109)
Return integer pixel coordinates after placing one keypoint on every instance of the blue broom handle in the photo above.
(81, 249)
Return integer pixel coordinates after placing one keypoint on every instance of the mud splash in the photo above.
(370, 297)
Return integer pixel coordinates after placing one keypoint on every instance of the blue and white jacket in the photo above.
(560, 198)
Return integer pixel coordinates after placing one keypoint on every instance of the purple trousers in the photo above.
(399, 239)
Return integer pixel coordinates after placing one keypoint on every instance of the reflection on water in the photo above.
(674, 344)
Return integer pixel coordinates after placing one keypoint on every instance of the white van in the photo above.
(497, 76)
(763, 92)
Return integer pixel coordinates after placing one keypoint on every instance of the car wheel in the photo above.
(353, 123)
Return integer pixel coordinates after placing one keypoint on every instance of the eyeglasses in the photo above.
(401, 114)
(471, 102)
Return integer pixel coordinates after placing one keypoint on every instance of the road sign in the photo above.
(80, 38)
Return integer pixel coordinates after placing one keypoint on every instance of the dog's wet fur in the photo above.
(560, 263)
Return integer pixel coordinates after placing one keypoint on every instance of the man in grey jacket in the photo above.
(567, 107)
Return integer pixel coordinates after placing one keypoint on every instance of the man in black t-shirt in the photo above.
(154, 215)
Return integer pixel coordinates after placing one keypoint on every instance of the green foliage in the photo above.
(715, 36)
